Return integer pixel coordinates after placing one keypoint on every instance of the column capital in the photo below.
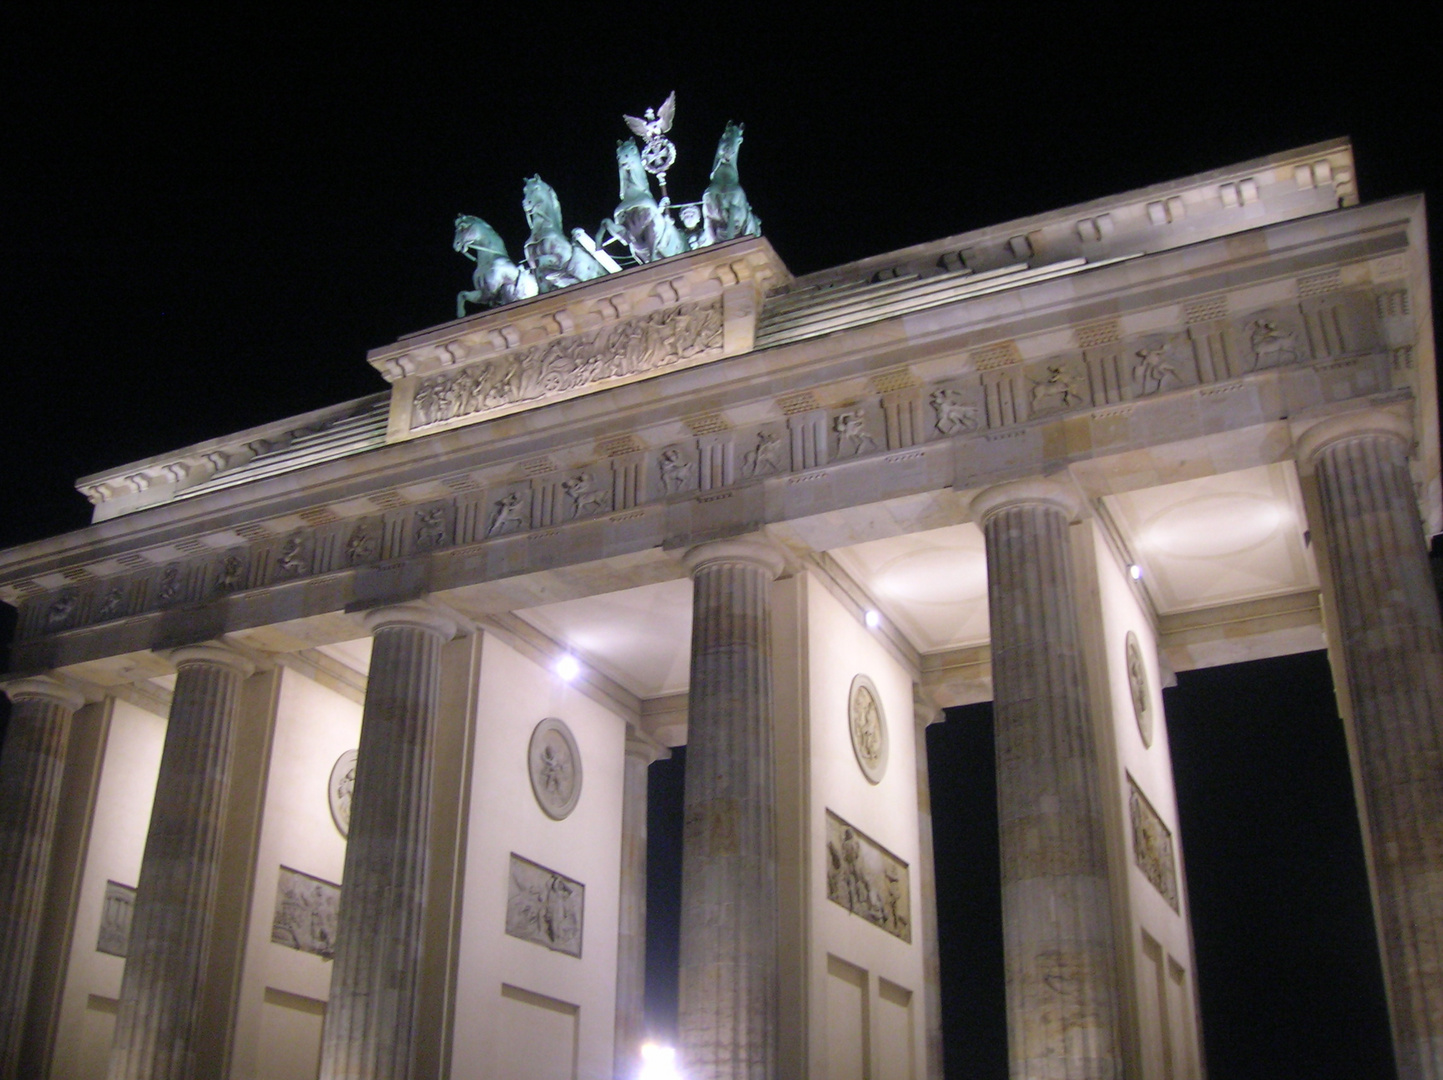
(1032, 491)
(746, 549)
(418, 616)
(215, 654)
(1335, 429)
(45, 688)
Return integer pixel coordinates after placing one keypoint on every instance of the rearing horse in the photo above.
(556, 260)
(497, 279)
(639, 221)
(728, 214)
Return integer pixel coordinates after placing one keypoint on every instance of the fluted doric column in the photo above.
(631, 923)
(160, 993)
(728, 983)
(1392, 644)
(1062, 985)
(32, 765)
(371, 1011)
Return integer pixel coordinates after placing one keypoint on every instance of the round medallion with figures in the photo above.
(340, 786)
(555, 765)
(869, 728)
(1137, 687)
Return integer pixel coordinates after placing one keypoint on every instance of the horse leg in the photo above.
(464, 298)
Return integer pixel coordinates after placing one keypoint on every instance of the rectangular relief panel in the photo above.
(867, 879)
(544, 907)
(305, 915)
(97, 1031)
(115, 918)
(1152, 849)
(539, 1036)
(849, 1040)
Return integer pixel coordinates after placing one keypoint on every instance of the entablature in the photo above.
(1215, 345)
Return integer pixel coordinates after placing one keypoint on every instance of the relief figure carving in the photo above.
(584, 494)
(544, 907)
(362, 545)
(1060, 390)
(292, 560)
(853, 438)
(676, 470)
(1153, 370)
(633, 347)
(60, 611)
(506, 515)
(169, 584)
(867, 879)
(112, 603)
(766, 457)
(953, 414)
(1271, 343)
(305, 913)
(430, 528)
(231, 571)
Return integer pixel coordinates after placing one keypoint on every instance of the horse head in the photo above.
(540, 204)
(473, 234)
(728, 147)
(631, 173)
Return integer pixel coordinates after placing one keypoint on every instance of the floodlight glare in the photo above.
(1135, 571)
(873, 618)
(658, 1063)
(568, 667)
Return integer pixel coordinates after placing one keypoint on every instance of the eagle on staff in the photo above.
(658, 153)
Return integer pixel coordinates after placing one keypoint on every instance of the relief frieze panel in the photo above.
(1335, 335)
(562, 368)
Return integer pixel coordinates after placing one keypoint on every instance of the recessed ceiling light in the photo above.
(568, 667)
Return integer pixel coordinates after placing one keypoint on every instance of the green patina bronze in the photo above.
(646, 226)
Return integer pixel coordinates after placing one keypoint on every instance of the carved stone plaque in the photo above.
(555, 370)
(1137, 687)
(115, 919)
(544, 907)
(555, 768)
(340, 786)
(869, 728)
(1152, 845)
(867, 879)
(305, 917)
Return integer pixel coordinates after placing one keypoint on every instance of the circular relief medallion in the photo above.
(1137, 685)
(869, 728)
(555, 768)
(339, 787)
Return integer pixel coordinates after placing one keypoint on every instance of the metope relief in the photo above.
(558, 369)
(1152, 845)
(305, 915)
(953, 413)
(339, 788)
(544, 907)
(555, 766)
(868, 725)
(115, 918)
(1137, 688)
(867, 879)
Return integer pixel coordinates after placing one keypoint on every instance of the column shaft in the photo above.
(728, 973)
(1062, 993)
(170, 932)
(31, 769)
(631, 929)
(1393, 651)
(371, 1013)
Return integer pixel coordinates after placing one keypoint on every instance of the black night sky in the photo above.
(207, 220)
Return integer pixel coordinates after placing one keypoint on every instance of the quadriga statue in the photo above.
(557, 260)
(497, 279)
(724, 204)
(639, 221)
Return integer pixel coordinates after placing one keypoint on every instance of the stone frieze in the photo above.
(555, 370)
